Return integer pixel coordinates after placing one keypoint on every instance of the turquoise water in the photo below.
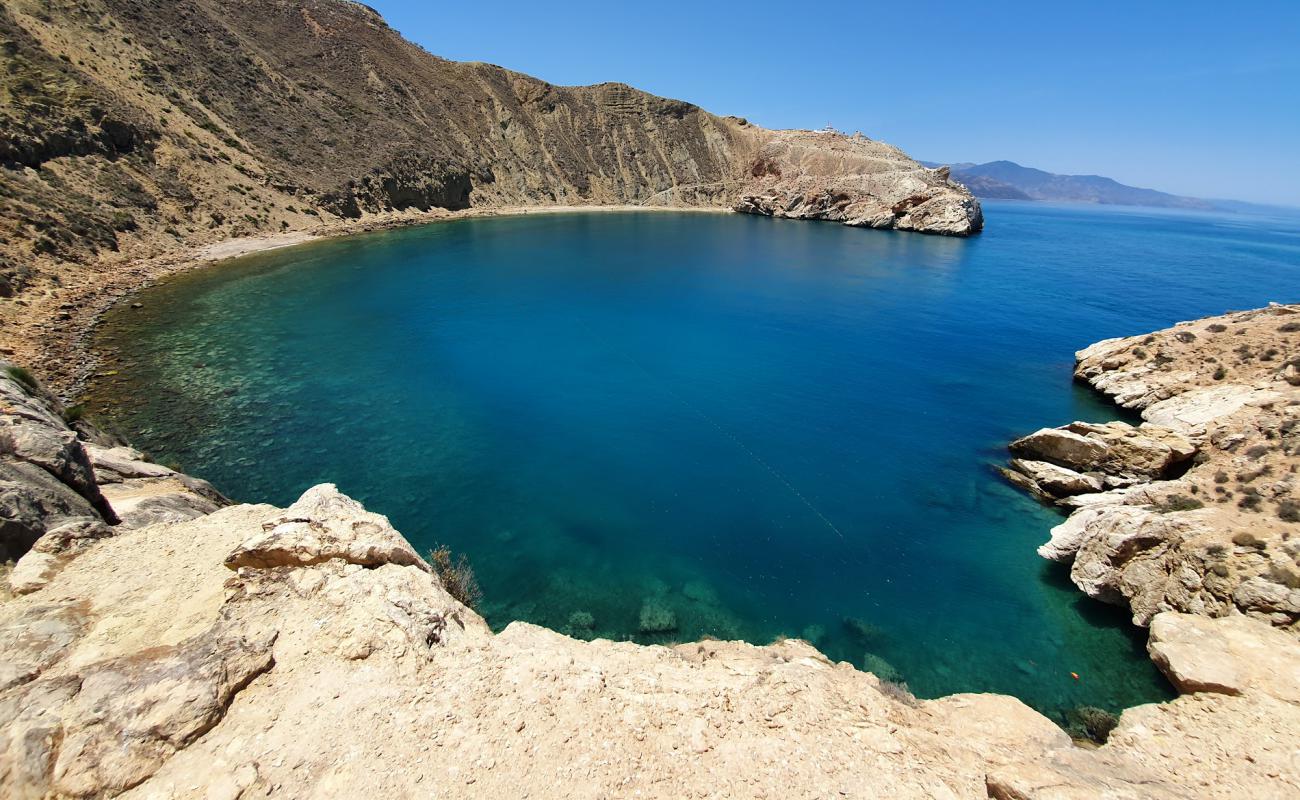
(761, 427)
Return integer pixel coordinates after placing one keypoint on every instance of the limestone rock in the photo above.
(53, 551)
(150, 501)
(1056, 481)
(323, 525)
(1070, 535)
(824, 175)
(1089, 456)
(1192, 409)
(1229, 655)
(32, 432)
(170, 673)
(124, 717)
(33, 501)
(116, 464)
(32, 642)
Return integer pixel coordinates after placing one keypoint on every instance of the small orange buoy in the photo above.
(1074, 675)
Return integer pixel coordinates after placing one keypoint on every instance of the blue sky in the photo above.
(1191, 97)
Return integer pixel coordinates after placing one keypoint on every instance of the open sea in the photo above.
(663, 426)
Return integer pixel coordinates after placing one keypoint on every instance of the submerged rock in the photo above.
(881, 668)
(656, 616)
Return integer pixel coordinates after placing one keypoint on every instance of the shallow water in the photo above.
(761, 427)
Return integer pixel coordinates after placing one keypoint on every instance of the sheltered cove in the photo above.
(479, 712)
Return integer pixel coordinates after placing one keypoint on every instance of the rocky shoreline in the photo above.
(1197, 509)
(160, 642)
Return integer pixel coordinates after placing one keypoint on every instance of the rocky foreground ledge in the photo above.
(158, 642)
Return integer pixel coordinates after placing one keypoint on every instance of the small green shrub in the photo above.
(1217, 328)
(74, 414)
(1178, 502)
(23, 377)
(898, 691)
(1289, 327)
(457, 576)
(1248, 539)
(1220, 374)
(1091, 723)
(1285, 576)
(1288, 510)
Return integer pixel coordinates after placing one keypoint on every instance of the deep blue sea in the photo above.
(754, 427)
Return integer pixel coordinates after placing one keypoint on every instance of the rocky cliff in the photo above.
(157, 642)
(1198, 508)
(130, 129)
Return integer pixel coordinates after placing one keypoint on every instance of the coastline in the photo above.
(52, 332)
(314, 626)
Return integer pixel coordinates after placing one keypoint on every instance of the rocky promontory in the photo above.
(857, 181)
(158, 642)
(1197, 509)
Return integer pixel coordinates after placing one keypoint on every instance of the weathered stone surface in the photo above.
(1056, 481)
(33, 432)
(1229, 655)
(1070, 535)
(856, 181)
(33, 501)
(1192, 409)
(32, 642)
(53, 551)
(324, 525)
(382, 658)
(1061, 446)
(1089, 457)
(150, 501)
(130, 714)
(1203, 503)
(1126, 554)
(109, 727)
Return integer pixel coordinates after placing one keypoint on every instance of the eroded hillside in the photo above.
(131, 128)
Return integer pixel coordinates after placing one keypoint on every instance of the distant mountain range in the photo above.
(1007, 180)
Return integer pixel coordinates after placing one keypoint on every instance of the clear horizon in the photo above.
(1183, 98)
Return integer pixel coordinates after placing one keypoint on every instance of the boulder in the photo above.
(1229, 655)
(1056, 481)
(1060, 446)
(325, 524)
(1127, 555)
(1122, 453)
(33, 501)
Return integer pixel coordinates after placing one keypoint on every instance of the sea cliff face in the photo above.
(157, 641)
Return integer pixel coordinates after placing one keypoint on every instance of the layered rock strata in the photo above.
(1198, 508)
(857, 181)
